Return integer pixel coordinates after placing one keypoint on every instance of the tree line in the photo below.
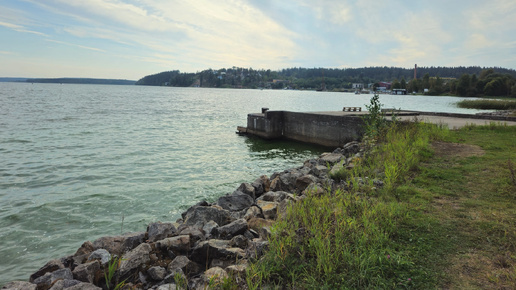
(470, 81)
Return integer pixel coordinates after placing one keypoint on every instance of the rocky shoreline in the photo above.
(212, 241)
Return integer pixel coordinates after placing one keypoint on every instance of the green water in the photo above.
(77, 159)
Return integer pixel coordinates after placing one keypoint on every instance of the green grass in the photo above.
(488, 104)
(443, 220)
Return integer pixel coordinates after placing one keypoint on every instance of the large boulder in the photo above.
(48, 279)
(232, 229)
(158, 231)
(235, 202)
(202, 214)
(248, 189)
(135, 259)
(86, 272)
(184, 264)
(269, 208)
(120, 244)
(49, 267)
(102, 255)
(176, 244)
(331, 158)
(215, 249)
(19, 285)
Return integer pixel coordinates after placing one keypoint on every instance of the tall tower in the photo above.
(415, 71)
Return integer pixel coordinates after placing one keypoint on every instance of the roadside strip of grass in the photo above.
(443, 219)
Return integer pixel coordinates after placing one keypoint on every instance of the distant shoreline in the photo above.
(70, 81)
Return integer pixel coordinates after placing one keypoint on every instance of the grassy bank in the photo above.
(488, 104)
(445, 217)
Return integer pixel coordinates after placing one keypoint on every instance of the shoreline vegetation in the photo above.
(413, 206)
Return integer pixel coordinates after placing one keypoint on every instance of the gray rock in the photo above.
(169, 286)
(50, 266)
(285, 181)
(133, 260)
(19, 285)
(177, 244)
(102, 255)
(252, 212)
(48, 279)
(331, 158)
(201, 215)
(216, 274)
(86, 272)
(239, 241)
(63, 284)
(248, 189)
(210, 228)
(261, 185)
(158, 231)
(83, 286)
(303, 182)
(119, 244)
(195, 234)
(269, 208)
(237, 270)
(157, 273)
(257, 248)
(199, 204)
(215, 249)
(275, 196)
(184, 264)
(235, 202)
(320, 171)
(232, 229)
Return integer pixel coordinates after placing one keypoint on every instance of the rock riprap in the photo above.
(209, 243)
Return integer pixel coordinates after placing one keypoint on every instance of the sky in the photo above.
(129, 39)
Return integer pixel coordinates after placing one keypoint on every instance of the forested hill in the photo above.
(313, 78)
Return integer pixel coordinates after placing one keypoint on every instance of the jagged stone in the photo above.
(157, 273)
(265, 232)
(210, 229)
(222, 263)
(237, 270)
(239, 241)
(215, 249)
(314, 189)
(85, 249)
(303, 182)
(275, 196)
(201, 215)
(73, 284)
(261, 185)
(320, 171)
(159, 231)
(257, 248)
(257, 223)
(232, 229)
(269, 208)
(252, 212)
(49, 267)
(119, 244)
(248, 189)
(185, 265)
(133, 260)
(177, 244)
(170, 286)
(216, 274)
(86, 272)
(330, 158)
(49, 278)
(235, 202)
(19, 285)
(195, 234)
(102, 255)
(190, 209)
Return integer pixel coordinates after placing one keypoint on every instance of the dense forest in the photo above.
(464, 81)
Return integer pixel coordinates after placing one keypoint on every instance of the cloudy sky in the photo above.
(128, 39)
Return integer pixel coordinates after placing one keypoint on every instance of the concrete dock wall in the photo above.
(321, 129)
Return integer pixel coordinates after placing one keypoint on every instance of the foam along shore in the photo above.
(211, 241)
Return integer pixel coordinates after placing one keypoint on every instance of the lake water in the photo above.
(76, 160)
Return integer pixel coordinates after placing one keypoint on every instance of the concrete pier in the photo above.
(336, 128)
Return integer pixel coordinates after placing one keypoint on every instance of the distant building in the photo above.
(357, 86)
(387, 85)
(399, 92)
